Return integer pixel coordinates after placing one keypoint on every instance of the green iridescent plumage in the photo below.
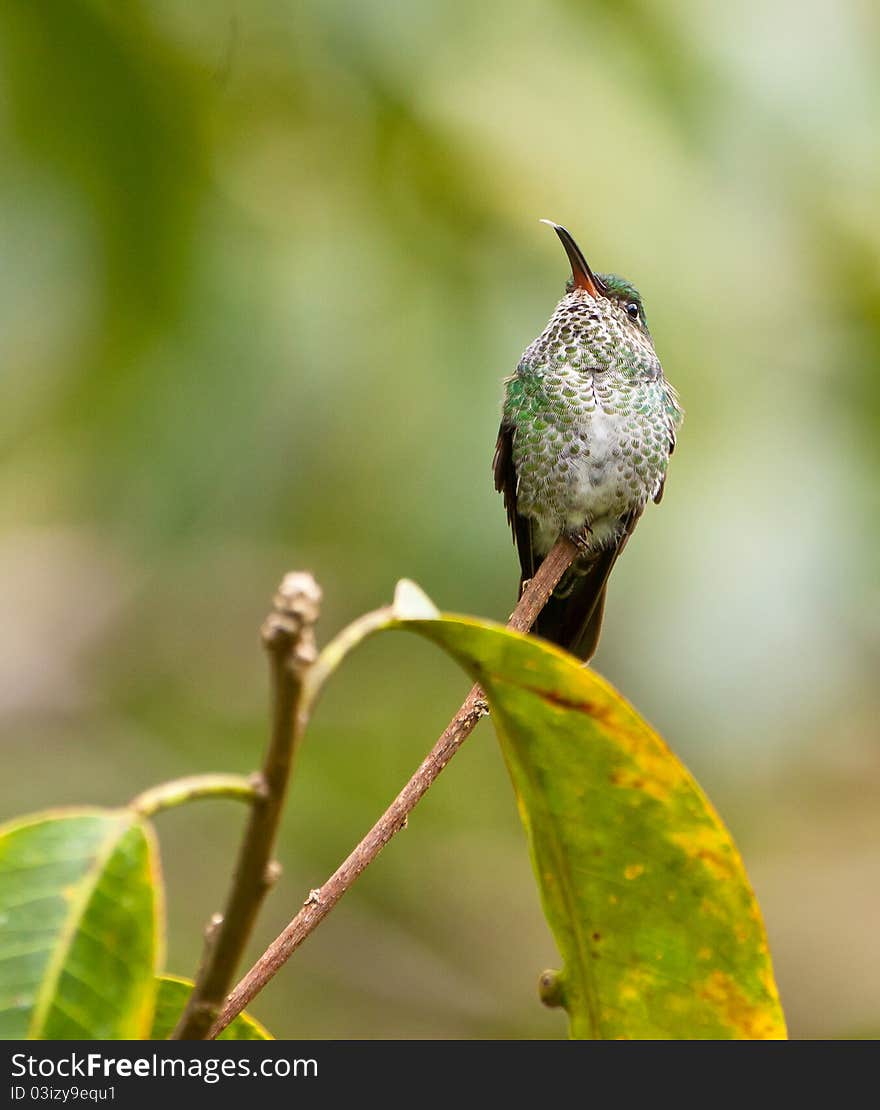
(588, 426)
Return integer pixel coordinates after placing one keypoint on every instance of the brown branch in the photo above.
(321, 901)
(289, 638)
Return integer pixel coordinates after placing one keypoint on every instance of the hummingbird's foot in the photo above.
(582, 538)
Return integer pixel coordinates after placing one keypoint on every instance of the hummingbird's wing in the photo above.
(506, 483)
(674, 417)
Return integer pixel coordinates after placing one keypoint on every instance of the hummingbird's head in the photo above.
(614, 302)
(626, 297)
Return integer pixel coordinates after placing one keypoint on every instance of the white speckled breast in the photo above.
(593, 422)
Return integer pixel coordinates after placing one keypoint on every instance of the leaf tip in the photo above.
(412, 603)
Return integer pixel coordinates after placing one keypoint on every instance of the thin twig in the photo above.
(289, 638)
(194, 788)
(322, 900)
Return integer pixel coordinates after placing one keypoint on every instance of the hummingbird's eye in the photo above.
(632, 310)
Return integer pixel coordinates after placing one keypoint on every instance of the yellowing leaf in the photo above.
(642, 885)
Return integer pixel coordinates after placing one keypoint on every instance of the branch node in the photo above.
(551, 989)
(261, 787)
(289, 628)
(213, 925)
(481, 708)
(273, 873)
(314, 898)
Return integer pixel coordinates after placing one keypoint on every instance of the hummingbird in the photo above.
(588, 427)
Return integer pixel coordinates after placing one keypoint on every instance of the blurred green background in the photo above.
(263, 268)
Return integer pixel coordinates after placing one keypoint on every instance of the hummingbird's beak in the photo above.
(581, 274)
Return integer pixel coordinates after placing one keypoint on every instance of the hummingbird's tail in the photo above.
(572, 617)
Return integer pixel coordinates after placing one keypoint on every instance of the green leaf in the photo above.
(170, 1001)
(80, 935)
(642, 885)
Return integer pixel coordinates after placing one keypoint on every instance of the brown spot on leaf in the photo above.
(707, 845)
(751, 1021)
(635, 780)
